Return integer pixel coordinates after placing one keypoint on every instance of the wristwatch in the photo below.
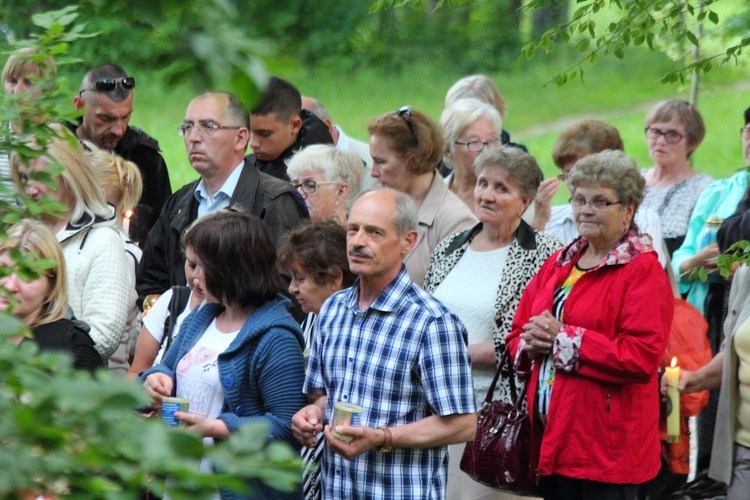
(388, 440)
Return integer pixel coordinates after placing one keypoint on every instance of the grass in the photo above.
(618, 92)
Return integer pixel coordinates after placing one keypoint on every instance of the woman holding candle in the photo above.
(730, 456)
(122, 184)
(591, 328)
(238, 358)
(315, 256)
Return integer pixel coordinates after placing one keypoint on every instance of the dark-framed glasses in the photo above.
(205, 128)
(671, 136)
(109, 84)
(309, 186)
(578, 202)
(477, 146)
(405, 113)
(745, 131)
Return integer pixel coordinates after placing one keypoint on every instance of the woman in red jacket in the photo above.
(591, 329)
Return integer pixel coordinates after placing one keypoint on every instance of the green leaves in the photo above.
(671, 26)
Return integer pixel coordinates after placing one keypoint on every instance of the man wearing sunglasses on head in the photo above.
(106, 98)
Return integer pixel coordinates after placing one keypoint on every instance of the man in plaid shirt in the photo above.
(386, 345)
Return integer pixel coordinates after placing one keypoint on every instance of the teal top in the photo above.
(719, 199)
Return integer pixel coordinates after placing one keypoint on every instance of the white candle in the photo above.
(126, 222)
(673, 402)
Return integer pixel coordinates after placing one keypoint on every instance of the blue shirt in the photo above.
(401, 359)
(209, 205)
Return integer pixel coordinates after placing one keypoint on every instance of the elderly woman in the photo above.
(591, 328)
(730, 456)
(238, 358)
(469, 126)
(575, 142)
(99, 280)
(506, 252)
(674, 130)
(406, 147)
(40, 303)
(327, 178)
(482, 88)
(315, 255)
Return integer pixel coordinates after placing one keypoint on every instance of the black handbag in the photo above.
(499, 456)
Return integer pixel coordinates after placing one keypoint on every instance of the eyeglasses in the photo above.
(670, 136)
(109, 84)
(477, 146)
(205, 128)
(597, 204)
(405, 113)
(309, 186)
(745, 131)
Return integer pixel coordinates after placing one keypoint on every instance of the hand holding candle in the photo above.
(673, 402)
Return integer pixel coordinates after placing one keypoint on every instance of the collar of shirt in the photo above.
(343, 143)
(389, 299)
(208, 204)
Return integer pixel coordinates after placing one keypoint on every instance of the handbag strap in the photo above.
(515, 395)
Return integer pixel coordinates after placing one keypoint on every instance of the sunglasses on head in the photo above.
(405, 113)
(109, 84)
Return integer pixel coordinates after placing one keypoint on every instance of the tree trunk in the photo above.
(555, 14)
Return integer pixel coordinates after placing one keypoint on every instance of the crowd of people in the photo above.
(319, 273)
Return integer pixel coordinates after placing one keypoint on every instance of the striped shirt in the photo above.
(401, 359)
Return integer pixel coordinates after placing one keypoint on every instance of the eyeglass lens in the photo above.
(670, 136)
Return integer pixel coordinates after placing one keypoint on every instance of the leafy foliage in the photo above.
(657, 24)
(69, 433)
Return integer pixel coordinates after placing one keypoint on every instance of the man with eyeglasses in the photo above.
(106, 98)
(216, 133)
(279, 127)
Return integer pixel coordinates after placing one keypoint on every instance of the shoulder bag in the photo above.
(499, 455)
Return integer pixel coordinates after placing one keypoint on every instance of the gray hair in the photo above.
(479, 87)
(106, 71)
(316, 107)
(334, 165)
(611, 169)
(461, 114)
(519, 165)
(407, 218)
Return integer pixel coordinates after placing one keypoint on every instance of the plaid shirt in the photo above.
(401, 359)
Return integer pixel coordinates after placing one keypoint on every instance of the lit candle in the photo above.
(673, 402)
(126, 222)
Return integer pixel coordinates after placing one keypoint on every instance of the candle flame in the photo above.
(674, 362)
(128, 214)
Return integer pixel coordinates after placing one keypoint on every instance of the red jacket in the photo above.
(603, 419)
